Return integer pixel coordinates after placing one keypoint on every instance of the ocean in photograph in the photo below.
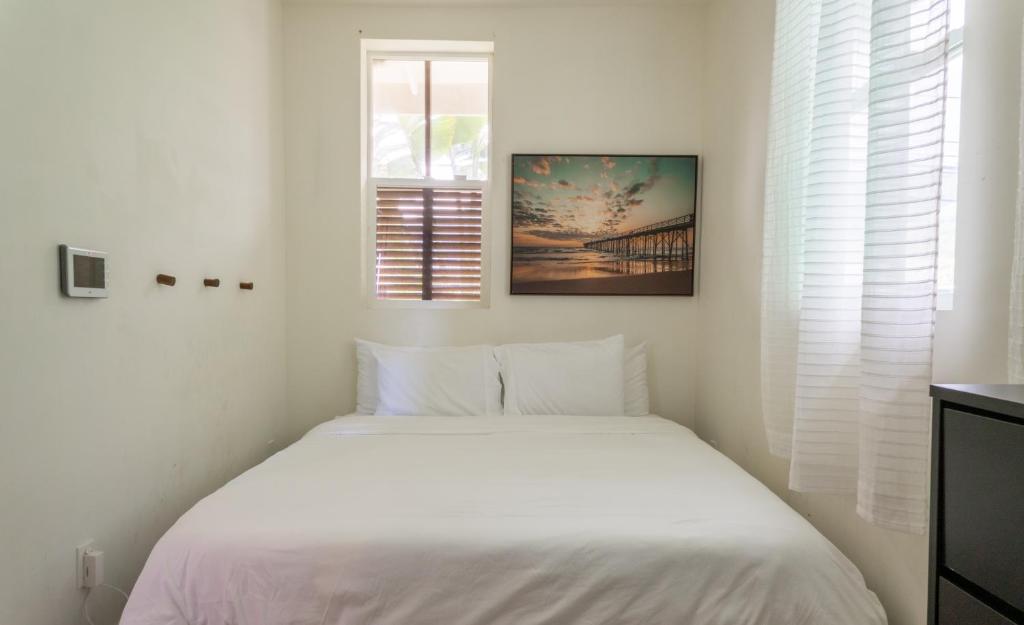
(578, 263)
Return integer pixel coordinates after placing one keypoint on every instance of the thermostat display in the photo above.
(83, 273)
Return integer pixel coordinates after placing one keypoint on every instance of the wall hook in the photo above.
(245, 286)
(214, 282)
(166, 280)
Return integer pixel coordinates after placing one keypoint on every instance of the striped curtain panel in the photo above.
(1016, 351)
(851, 218)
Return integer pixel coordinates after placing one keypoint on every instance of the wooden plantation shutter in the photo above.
(399, 243)
(455, 244)
(429, 243)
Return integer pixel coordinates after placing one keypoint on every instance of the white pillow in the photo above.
(366, 377)
(583, 378)
(637, 397)
(444, 381)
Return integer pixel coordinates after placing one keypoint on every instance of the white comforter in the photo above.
(494, 521)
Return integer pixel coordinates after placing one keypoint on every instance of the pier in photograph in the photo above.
(669, 239)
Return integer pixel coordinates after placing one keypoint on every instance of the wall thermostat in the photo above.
(83, 273)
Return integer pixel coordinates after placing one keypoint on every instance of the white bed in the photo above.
(494, 521)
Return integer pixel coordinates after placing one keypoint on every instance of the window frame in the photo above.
(408, 50)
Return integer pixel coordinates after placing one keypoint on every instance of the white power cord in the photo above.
(85, 602)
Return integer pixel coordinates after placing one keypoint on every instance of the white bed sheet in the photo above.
(495, 521)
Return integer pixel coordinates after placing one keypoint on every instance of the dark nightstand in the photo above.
(976, 561)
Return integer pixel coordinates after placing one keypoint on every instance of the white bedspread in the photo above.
(495, 521)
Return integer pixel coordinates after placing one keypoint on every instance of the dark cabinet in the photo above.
(958, 607)
(976, 569)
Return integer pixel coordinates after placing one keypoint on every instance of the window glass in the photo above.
(399, 119)
(458, 120)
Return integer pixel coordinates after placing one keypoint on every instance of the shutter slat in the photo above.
(455, 245)
(450, 223)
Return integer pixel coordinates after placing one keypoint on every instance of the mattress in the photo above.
(495, 521)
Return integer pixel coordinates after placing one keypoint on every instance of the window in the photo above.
(950, 156)
(428, 154)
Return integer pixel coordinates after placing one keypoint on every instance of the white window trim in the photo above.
(419, 50)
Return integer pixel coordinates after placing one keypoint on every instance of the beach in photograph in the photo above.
(667, 283)
(603, 225)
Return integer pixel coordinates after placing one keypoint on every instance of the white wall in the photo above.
(970, 340)
(150, 130)
(567, 78)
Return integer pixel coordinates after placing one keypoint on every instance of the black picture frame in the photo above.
(684, 287)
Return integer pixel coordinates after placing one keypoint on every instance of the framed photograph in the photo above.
(603, 224)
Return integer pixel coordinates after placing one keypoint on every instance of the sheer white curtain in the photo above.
(851, 216)
(1016, 352)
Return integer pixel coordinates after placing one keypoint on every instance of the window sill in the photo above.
(374, 303)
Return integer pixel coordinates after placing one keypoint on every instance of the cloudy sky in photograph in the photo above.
(563, 201)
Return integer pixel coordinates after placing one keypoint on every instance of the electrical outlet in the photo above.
(80, 562)
(92, 568)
